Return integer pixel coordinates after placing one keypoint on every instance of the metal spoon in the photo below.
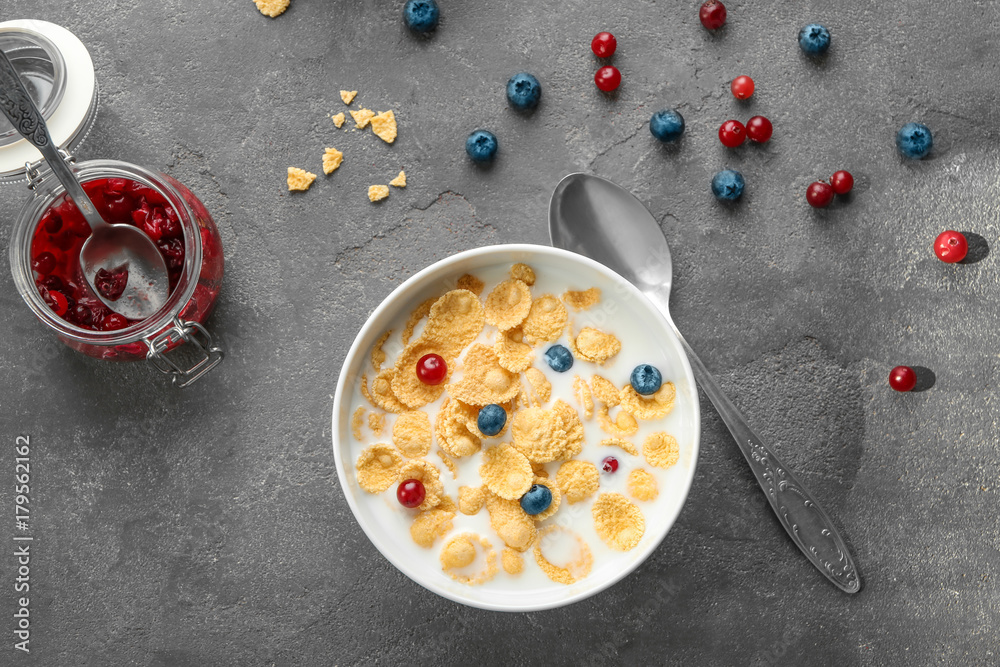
(594, 217)
(109, 247)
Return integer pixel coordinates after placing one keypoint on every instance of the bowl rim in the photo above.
(414, 283)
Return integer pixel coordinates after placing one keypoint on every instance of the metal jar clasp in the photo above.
(199, 341)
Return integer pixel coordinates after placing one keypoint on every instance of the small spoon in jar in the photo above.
(118, 252)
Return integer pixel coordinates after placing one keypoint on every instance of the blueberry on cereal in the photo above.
(491, 419)
(481, 146)
(536, 500)
(523, 91)
(646, 379)
(559, 358)
(421, 15)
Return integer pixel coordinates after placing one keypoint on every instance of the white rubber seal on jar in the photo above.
(73, 116)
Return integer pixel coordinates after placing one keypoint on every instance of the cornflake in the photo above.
(661, 450)
(573, 571)
(570, 428)
(378, 354)
(583, 396)
(524, 273)
(457, 551)
(657, 406)
(546, 320)
(484, 380)
(620, 443)
(299, 180)
(399, 181)
(348, 95)
(535, 434)
(623, 425)
(642, 485)
(427, 474)
(511, 523)
(471, 283)
(556, 497)
(332, 158)
(381, 395)
(376, 422)
(596, 346)
(618, 521)
(406, 385)
(453, 435)
(449, 463)
(454, 321)
(430, 525)
(338, 119)
(357, 420)
(415, 317)
(578, 480)
(377, 466)
(384, 126)
(508, 304)
(412, 434)
(506, 471)
(541, 388)
(471, 499)
(582, 300)
(377, 192)
(272, 8)
(362, 117)
(512, 352)
(605, 391)
(513, 562)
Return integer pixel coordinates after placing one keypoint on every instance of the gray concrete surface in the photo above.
(206, 526)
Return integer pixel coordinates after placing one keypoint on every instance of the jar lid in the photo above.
(59, 74)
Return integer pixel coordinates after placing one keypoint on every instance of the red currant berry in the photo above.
(609, 464)
(732, 133)
(712, 14)
(53, 223)
(44, 263)
(842, 182)
(431, 369)
(608, 78)
(411, 493)
(742, 87)
(759, 129)
(902, 378)
(604, 44)
(819, 194)
(113, 322)
(57, 301)
(951, 246)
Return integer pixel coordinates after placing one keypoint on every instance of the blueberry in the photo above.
(481, 146)
(727, 185)
(914, 140)
(523, 91)
(491, 419)
(559, 358)
(814, 39)
(537, 499)
(421, 15)
(646, 379)
(667, 125)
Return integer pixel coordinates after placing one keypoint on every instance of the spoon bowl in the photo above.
(601, 220)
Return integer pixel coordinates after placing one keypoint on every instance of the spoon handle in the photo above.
(800, 514)
(17, 105)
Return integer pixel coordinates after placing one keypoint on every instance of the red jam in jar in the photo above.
(55, 250)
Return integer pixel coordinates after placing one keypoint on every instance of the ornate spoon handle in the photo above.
(806, 522)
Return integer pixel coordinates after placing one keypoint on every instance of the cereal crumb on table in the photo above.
(377, 192)
(271, 8)
(348, 95)
(399, 181)
(331, 160)
(299, 179)
(338, 119)
(384, 126)
(362, 117)
(618, 521)
(642, 485)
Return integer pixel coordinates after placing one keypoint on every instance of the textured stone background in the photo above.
(205, 526)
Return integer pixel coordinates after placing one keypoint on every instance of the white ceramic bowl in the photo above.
(394, 541)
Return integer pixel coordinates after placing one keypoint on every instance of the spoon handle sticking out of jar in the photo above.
(111, 248)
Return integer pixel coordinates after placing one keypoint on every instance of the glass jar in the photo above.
(180, 320)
